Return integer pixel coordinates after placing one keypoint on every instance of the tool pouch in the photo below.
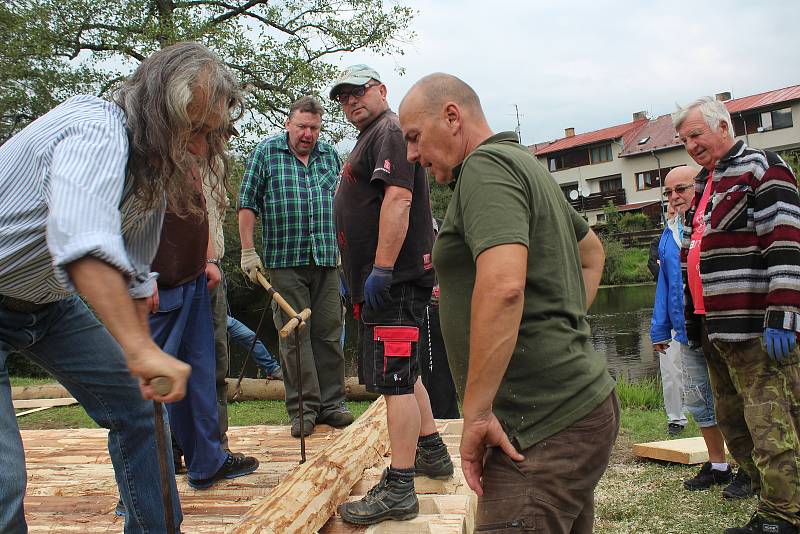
(398, 345)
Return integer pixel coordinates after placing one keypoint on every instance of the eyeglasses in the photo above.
(357, 92)
(678, 189)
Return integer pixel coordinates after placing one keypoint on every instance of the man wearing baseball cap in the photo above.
(385, 235)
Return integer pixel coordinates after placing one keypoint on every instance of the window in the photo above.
(755, 122)
(600, 154)
(580, 157)
(614, 183)
(601, 217)
(650, 179)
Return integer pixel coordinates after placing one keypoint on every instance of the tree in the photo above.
(281, 49)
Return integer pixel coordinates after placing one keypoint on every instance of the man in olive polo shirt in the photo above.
(518, 268)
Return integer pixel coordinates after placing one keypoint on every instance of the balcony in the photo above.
(597, 201)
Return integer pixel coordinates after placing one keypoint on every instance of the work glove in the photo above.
(779, 343)
(376, 289)
(251, 264)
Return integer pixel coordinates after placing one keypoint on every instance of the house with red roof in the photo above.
(625, 164)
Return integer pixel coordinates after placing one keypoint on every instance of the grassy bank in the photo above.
(633, 496)
(624, 265)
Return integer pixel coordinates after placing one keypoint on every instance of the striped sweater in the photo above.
(750, 252)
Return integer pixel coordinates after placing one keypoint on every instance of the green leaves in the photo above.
(280, 49)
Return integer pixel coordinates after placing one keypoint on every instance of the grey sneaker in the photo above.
(339, 417)
(435, 463)
(277, 374)
(389, 499)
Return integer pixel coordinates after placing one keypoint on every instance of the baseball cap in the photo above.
(354, 75)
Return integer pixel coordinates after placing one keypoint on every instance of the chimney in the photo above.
(723, 97)
(640, 116)
(569, 132)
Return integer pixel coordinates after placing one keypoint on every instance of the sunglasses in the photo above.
(678, 189)
(357, 92)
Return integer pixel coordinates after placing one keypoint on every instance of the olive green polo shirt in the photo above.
(502, 195)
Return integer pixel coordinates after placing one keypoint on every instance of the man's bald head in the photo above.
(680, 175)
(679, 188)
(434, 90)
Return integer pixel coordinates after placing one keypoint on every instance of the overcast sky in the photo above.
(592, 64)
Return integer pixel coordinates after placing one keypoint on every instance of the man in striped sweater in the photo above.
(741, 256)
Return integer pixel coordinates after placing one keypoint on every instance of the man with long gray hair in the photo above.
(740, 256)
(82, 203)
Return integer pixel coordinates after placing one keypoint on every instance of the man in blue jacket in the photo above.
(668, 319)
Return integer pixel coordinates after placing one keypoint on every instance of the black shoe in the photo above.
(673, 429)
(433, 463)
(339, 417)
(740, 487)
(389, 499)
(308, 428)
(234, 466)
(177, 460)
(763, 525)
(707, 477)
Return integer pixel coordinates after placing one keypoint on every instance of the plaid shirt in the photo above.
(295, 202)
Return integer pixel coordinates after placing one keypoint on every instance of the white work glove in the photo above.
(251, 264)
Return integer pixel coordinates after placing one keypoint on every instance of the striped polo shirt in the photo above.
(64, 195)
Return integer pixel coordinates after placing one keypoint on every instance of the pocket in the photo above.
(170, 299)
(397, 345)
(729, 211)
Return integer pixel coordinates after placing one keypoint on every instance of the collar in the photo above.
(381, 115)
(502, 137)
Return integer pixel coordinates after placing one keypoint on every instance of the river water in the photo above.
(620, 321)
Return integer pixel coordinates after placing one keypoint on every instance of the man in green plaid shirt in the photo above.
(290, 181)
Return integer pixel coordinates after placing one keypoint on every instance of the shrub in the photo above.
(634, 222)
(643, 394)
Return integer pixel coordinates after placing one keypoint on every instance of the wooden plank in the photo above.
(683, 451)
(308, 496)
(43, 403)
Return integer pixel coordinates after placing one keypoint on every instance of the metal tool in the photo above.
(162, 386)
(296, 323)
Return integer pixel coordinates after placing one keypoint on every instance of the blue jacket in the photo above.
(668, 307)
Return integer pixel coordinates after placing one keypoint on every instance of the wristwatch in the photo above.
(215, 261)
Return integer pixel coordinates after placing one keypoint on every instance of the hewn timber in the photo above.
(306, 498)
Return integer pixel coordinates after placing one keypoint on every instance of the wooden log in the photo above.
(306, 498)
(683, 451)
(252, 389)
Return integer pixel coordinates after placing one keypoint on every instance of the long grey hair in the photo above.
(156, 100)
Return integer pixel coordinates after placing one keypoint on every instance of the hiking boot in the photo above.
(763, 525)
(234, 466)
(740, 487)
(673, 429)
(707, 477)
(308, 428)
(277, 374)
(433, 463)
(339, 417)
(391, 498)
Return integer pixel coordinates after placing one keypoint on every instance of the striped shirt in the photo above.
(64, 195)
(750, 251)
(295, 202)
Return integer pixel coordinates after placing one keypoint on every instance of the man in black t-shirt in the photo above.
(385, 235)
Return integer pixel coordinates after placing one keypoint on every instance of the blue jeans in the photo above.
(244, 337)
(184, 328)
(67, 340)
(697, 396)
